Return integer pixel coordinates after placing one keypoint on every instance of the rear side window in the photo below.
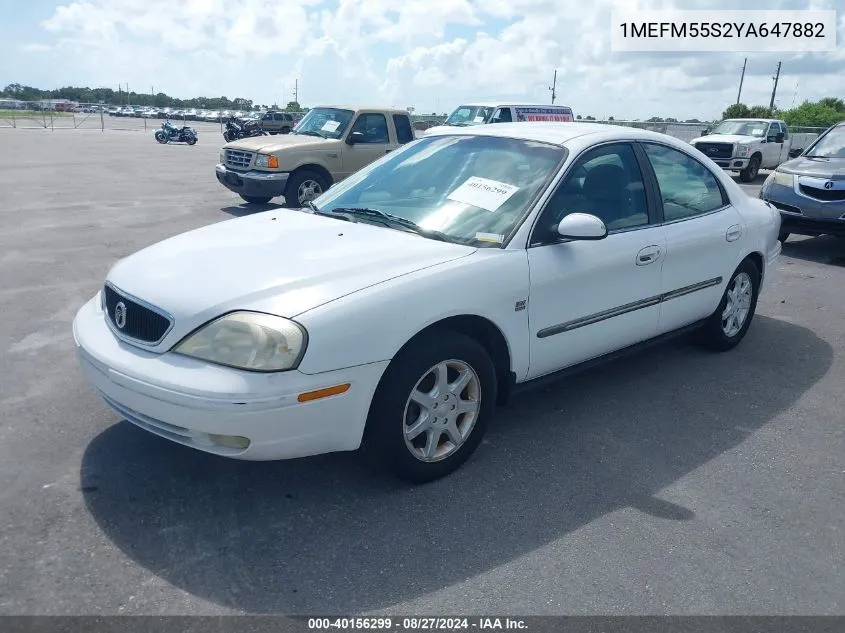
(687, 188)
(404, 132)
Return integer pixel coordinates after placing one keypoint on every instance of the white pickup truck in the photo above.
(746, 145)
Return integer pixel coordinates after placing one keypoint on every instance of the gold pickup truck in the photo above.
(328, 144)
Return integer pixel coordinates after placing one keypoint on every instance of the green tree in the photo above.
(820, 114)
(833, 102)
(736, 111)
(760, 112)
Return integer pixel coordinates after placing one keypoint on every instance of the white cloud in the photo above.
(426, 53)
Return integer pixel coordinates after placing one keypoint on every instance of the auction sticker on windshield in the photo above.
(483, 193)
(330, 126)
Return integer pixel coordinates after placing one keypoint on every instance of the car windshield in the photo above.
(742, 128)
(469, 115)
(325, 122)
(471, 189)
(831, 145)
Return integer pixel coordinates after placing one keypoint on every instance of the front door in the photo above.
(588, 298)
(375, 143)
(703, 235)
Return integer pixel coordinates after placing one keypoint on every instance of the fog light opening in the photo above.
(229, 441)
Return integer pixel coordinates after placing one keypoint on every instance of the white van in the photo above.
(481, 113)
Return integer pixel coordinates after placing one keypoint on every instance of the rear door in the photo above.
(703, 235)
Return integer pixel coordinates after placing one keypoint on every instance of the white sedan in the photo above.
(409, 299)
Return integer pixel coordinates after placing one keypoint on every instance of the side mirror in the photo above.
(704, 132)
(779, 137)
(582, 226)
(795, 153)
(354, 137)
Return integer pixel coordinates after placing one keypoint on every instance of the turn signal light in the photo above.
(273, 162)
(308, 396)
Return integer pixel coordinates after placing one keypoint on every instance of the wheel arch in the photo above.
(485, 333)
(315, 167)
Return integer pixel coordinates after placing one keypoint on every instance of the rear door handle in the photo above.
(733, 233)
(648, 255)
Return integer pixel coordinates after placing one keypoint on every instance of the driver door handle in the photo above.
(648, 255)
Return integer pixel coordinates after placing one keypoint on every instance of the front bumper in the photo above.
(252, 183)
(804, 215)
(187, 401)
(732, 164)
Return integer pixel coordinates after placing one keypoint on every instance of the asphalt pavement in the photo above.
(674, 481)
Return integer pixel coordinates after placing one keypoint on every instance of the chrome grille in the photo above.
(136, 321)
(716, 150)
(237, 159)
(825, 195)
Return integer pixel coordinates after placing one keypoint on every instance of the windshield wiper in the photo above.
(389, 220)
(308, 133)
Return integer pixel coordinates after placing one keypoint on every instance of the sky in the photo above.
(431, 55)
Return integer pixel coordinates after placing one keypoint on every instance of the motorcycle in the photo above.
(236, 128)
(170, 132)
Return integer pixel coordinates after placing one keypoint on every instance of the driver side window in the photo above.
(374, 128)
(605, 182)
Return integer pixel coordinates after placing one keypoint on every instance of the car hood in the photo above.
(725, 138)
(279, 142)
(283, 262)
(833, 168)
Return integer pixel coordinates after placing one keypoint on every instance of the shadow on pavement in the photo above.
(296, 536)
(249, 209)
(825, 249)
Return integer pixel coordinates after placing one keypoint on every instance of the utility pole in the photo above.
(775, 88)
(553, 86)
(741, 79)
(296, 90)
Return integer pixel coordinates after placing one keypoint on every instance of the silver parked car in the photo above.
(809, 190)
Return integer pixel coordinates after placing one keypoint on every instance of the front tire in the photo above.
(432, 406)
(750, 173)
(161, 137)
(256, 199)
(726, 327)
(305, 185)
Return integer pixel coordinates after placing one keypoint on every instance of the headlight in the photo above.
(248, 340)
(222, 155)
(782, 178)
(743, 151)
(267, 160)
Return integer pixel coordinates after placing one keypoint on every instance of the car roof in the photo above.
(355, 107)
(552, 132)
(512, 104)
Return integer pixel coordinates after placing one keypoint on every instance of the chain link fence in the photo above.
(103, 117)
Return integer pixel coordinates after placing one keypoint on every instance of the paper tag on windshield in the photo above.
(757, 131)
(494, 238)
(478, 119)
(330, 126)
(483, 193)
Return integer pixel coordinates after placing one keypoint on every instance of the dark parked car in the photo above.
(277, 122)
(809, 190)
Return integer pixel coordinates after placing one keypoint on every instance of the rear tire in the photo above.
(726, 327)
(256, 199)
(431, 408)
